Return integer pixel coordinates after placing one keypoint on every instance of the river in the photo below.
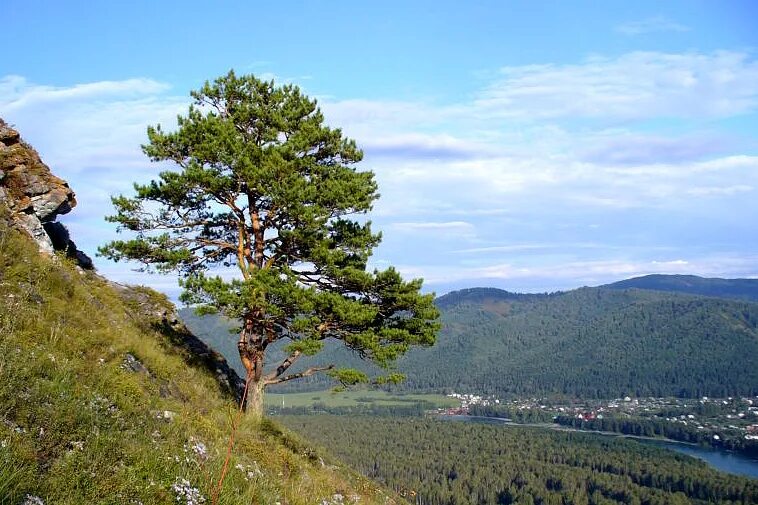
(721, 460)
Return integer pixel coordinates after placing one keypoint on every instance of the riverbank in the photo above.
(725, 461)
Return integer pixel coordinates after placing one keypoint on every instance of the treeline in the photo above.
(433, 462)
(416, 409)
(514, 414)
(652, 427)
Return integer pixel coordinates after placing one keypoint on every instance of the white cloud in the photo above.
(621, 147)
(720, 190)
(575, 273)
(530, 247)
(462, 177)
(16, 92)
(425, 146)
(635, 85)
(650, 25)
(100, 124)
(451, 226)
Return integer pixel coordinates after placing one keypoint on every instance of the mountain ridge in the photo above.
(591, 341)
(737, 289)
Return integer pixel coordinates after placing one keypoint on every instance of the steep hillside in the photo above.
(106, 398)
(738, 289)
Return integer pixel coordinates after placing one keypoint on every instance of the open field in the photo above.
(355, 398)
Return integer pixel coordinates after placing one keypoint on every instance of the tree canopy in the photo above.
(264, 185)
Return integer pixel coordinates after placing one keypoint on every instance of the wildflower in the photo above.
(198, 447)
(250, 471)
(184, 491)
(32, 500)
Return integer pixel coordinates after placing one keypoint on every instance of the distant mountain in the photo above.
(483, 296)
(589, 342)
(738, 289)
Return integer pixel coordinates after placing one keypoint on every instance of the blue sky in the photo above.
(532, 146)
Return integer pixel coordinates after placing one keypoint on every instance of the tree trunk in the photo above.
(252, 350)
(254, 404)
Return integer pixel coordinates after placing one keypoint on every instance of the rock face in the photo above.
(35, 197)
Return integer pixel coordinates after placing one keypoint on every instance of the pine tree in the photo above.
(263, 185)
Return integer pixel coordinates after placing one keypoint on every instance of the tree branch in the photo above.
(306, 373)
(258, 230)
(288, 362)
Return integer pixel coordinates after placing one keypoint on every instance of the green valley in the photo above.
(435, 462)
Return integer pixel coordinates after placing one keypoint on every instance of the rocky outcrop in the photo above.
(35, 197)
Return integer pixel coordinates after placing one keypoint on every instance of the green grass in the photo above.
(355, 399)
(76, 427)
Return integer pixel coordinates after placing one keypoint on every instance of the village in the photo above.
(733, 416)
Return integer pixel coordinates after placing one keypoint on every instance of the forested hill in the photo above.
(737, 289)
(591, 342)
(484, 296)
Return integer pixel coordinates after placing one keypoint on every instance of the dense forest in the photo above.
(434, 462)
(589, 342)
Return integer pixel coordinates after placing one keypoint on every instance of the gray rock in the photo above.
(32, 184)
(134, 365)
(31, 224)
(51, 204)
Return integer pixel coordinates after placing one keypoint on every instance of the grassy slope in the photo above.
(77, 427)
